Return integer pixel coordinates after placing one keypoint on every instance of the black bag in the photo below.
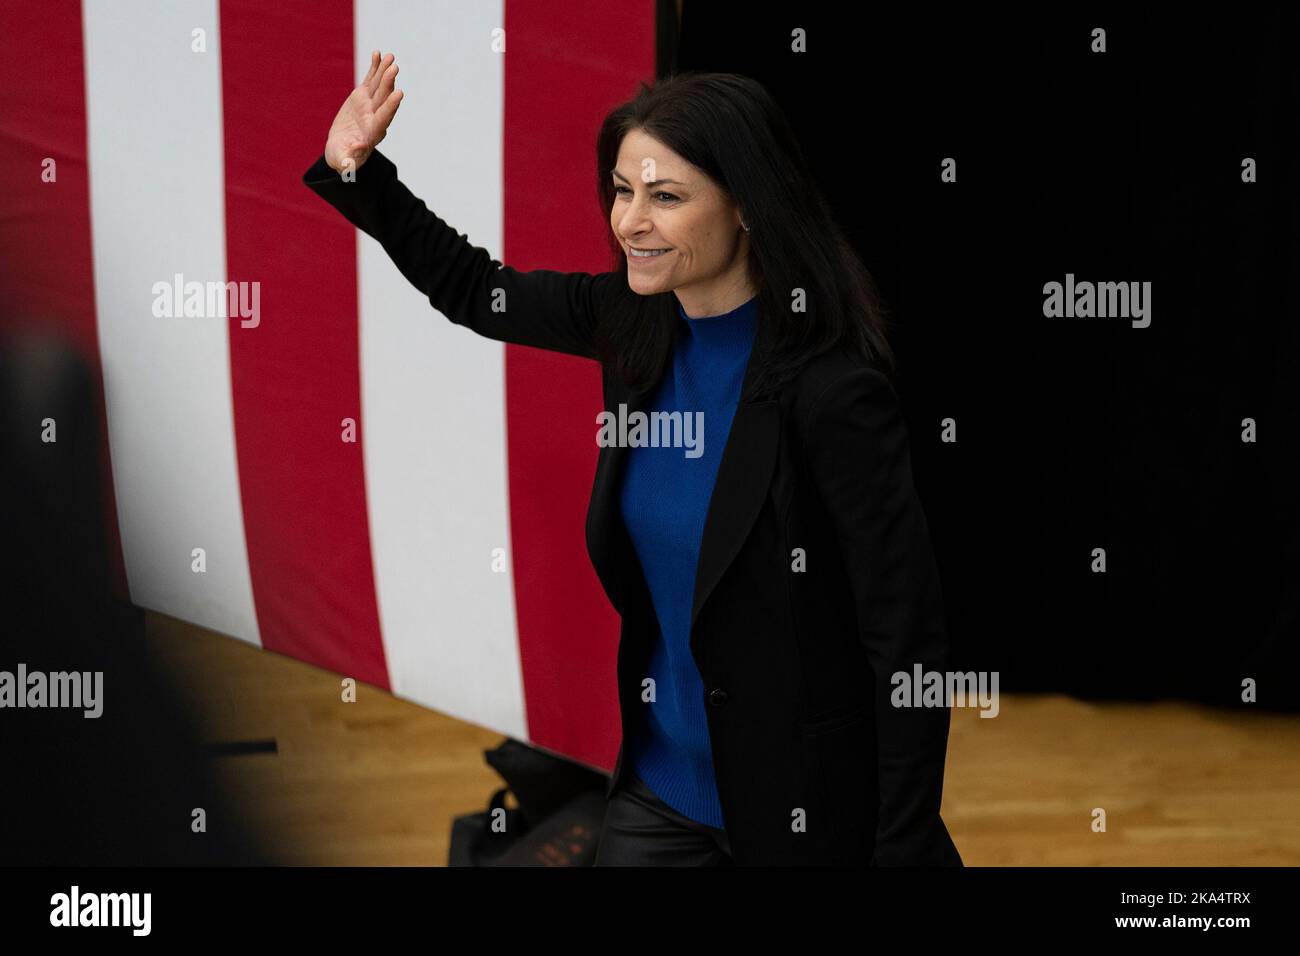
(557, 823)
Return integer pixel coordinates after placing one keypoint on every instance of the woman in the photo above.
(763, 544)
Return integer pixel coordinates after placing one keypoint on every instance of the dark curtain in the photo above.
(1075, 433)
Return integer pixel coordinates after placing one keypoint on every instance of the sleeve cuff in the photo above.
(319, 172)
(377, 167)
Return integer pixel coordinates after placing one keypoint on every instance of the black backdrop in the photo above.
(1073, 433)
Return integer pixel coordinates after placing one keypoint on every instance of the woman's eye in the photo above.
(619, 190)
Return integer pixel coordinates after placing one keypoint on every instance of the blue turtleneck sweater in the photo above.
(664, 500)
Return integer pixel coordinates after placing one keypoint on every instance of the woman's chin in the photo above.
(643, 285)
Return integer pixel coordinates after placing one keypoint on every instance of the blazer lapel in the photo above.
(744, 475)
(612, 553)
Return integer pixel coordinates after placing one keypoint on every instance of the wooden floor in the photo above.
(377, 782)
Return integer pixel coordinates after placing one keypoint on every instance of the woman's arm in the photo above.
(542, 308)
(858, 456)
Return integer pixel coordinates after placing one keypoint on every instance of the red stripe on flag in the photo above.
(555, 100)
(295, 377)
(47, 275)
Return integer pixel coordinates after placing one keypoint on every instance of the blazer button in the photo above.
(717, 697)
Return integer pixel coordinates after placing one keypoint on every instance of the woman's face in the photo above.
(686, 213)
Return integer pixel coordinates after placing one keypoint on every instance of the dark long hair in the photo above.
(728, 126)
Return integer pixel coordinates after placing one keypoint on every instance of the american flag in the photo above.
(334, 472)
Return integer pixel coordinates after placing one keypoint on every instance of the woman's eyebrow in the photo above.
(657, 182)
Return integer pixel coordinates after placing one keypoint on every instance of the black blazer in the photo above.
(813, 764)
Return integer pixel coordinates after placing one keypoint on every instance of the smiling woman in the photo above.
(706, 167)
(754, 691)
(689, 241)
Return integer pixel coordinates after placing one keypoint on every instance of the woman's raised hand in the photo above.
(362, 121)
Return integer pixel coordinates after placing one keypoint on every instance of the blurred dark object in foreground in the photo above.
(557, 823)
(120, 788)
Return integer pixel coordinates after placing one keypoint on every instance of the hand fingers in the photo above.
(384, 115)
(373, 77)
(385, 85)
(372, 85)
(374, 65)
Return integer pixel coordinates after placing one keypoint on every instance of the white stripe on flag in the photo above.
(433, 393)
(154, 130)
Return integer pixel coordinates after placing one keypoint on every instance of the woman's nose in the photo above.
(633, 221)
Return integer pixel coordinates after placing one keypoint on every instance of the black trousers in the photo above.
(642, 830)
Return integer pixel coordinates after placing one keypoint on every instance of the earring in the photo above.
(745, 227)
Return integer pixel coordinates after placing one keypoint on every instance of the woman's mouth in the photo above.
(646, 253)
